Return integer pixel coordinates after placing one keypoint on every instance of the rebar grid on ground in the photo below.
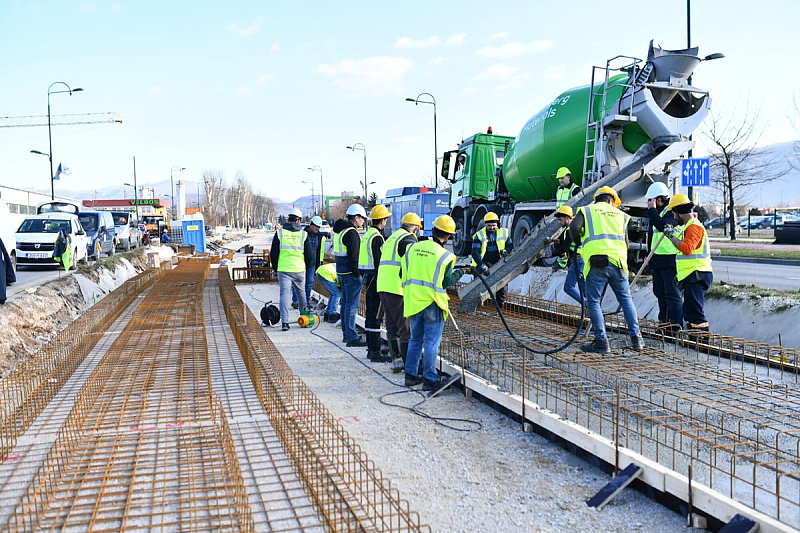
(739, 434)
(146, 445)
(349, 492)
(34, 383)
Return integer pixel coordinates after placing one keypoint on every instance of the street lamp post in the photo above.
(172, 187)
(359, 146)
(417, 101)
(135, 192)
(49, 131)
(313, 202)
(321, 186)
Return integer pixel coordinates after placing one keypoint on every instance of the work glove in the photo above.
(504, 253)
(483, 270)
(668, 231)
(457, 273)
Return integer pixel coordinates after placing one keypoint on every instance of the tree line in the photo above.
(236, 203)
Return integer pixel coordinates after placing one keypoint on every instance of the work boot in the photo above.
(325, 317)
(284, 326)
(412, 381)
(403, 350)
(596, 346)
(637, 343)
(430, 385)
(357, 343)
(295, 305)
(398, 364)
(374, 344)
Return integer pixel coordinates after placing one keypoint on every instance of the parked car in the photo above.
(716, 222)
(127, 228)
(757, 222)
(144, 234)
(326, 229)
(99, 228)
(37, 235)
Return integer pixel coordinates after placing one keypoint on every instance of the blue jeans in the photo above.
(694, 296)
(596, 281)
(309, 283)
(351, 293)
(666, 291)
(335, 295)
(571, 283)
(426, 331)
(287, 280)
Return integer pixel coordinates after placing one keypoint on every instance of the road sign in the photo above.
(695, 173)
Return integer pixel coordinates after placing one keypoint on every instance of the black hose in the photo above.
(518, 341)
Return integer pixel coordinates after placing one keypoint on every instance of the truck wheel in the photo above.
(522, 229)
(461, 240)
(14, 261)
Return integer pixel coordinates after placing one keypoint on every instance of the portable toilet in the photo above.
(194, 232)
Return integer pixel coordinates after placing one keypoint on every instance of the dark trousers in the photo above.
(666, 290)
(397, 326)
(372, 319)
(694, 295)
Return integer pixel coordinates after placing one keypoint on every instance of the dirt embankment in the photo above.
(33, 318)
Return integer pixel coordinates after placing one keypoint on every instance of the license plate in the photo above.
(38, 256)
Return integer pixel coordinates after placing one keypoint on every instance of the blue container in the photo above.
(194, 232)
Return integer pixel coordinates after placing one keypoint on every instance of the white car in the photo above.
(37, 235)
(7, 229)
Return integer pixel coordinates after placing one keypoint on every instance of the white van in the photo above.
(36, 238)
(8, 228)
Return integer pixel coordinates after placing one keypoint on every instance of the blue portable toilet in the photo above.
(194, 232)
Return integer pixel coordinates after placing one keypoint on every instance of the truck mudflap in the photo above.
(644, 162)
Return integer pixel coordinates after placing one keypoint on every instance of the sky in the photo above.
(272, 88)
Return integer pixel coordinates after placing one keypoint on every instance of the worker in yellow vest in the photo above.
(390, 290)
(488, 246)
(602, 230)
(316, 243)
(662, 262)
(427, 270)
(566, 189)
(346, 249)
(692, 263)
(290, 256)
(369, 259)
(326, 274)
(563, 250)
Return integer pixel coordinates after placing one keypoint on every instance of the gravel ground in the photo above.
(489, 477)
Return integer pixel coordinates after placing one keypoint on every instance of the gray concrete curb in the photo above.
(761, 260)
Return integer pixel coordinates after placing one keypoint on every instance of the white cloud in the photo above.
(514, 49)
(244, 90)
(371, 76)
(469, 91)
(437, 60)
(156, 90)
(500, 35)
(554, 73)
(275, 48)
(254, 27)
(506, 76)
(264, 79)
(456, 39)
(406, 140)
(87, 7)
(408, 42)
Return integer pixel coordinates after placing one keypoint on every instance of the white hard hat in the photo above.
(655, 190)
(356, 209)
(317, 221)
(296, 213)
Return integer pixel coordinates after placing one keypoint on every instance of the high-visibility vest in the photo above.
(603, 233)
(699, 259)
(328, 272)
(340, 252)
(389, 267)
(322, 249)
(564, 194)
(501, 236)
(563, 259)
(291, 255)
(666, 247)
(365, 260)
(424, 265)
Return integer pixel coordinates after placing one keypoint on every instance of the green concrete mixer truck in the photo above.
(627, 129)
(630, 109)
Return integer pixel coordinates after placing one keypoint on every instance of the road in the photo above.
(30, 277)
(770, 276)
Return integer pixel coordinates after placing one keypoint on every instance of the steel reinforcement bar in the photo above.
(34, 383)
(146, 445)
(347, 489)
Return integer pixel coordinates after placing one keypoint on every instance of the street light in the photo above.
(435, 147)
(49, 132)
(313, 202)
(321, 185)
(172, 187)
(359, 146)
(135, 198)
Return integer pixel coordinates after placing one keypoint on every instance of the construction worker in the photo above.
(566, 255)
(488, 245)
(346, 249)
(164, 237)
(326, 274)
(662, 262)
(602, 229)
(290, 256)
(692, 262)
(390, 289)
(427, 270)
(369, 259)
(566, 189)
(316, 244)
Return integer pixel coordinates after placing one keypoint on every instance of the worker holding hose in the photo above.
(488, 245)
(563, 251)
(602, 230)
(662, 263)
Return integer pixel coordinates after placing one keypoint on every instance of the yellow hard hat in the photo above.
(608, 190)
(565, 210)
(678, 199)
(411, 218)
(445, 223)
(379, 212)
(491, 216)
(563, 171)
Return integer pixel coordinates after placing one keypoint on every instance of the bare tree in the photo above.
(214, 185)
(737, 162)
(794, 120)
(339, 209)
